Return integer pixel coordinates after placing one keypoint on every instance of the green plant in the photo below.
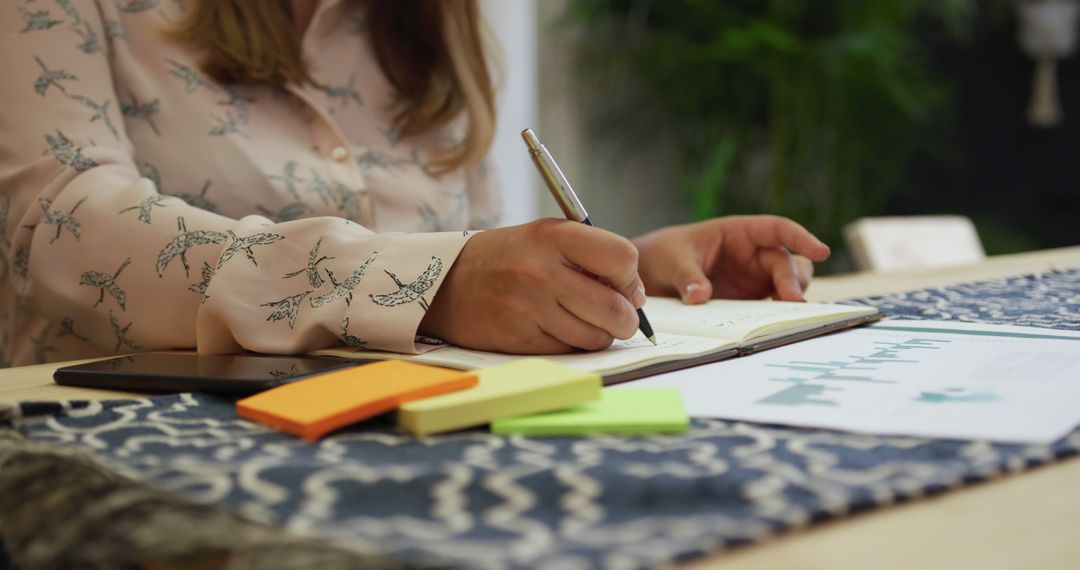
(810, 110)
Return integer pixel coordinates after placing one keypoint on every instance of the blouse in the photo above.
(144, 205)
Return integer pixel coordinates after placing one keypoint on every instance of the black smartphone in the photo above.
(234, 374)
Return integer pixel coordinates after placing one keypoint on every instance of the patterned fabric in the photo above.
(144, 205)
(101, 520)
(1048, 300)
(594, 502)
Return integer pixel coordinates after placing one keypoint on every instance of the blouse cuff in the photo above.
(402, 278)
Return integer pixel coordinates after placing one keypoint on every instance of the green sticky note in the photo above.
(522, 387)
(625, 411)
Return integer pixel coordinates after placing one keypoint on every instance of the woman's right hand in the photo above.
(546, 287)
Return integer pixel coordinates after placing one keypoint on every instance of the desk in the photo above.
(1018, 521)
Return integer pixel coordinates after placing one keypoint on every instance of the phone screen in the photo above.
(191, 372)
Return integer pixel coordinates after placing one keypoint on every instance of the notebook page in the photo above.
(739, 320)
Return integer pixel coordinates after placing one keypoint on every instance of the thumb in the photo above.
(690, 282)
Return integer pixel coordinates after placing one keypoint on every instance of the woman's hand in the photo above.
(537, 289)
(735, 257)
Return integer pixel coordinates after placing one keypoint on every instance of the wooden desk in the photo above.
(1023, 521)
(27, 383)
(850, 285)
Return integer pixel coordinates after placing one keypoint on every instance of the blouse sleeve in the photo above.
(87, 238)
(485, 202)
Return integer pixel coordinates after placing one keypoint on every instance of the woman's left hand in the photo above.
(734, 257)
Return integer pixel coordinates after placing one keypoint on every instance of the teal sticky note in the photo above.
(626, 411)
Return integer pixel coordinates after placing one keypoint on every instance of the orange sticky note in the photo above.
(313, 407)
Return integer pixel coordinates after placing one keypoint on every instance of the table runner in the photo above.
(475, 499)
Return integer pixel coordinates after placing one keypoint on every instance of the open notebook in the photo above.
(687, 335)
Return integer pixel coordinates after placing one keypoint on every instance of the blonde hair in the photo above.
(431, 51)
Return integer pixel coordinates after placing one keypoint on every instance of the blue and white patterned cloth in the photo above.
(595, 502)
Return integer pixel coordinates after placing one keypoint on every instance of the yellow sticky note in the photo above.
(526, 386)
(315, 406)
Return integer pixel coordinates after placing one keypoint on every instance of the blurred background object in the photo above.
(514, 25)
(1047, 33)
(811, 110)
(667, 111)
(908, 242)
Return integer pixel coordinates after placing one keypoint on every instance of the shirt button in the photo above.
(339, 153)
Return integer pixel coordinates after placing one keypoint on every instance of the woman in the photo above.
(283, 176)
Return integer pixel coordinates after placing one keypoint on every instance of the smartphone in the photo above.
(233, 374)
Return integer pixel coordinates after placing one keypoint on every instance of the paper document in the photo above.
(920, 378)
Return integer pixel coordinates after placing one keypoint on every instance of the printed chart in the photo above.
(920, 378)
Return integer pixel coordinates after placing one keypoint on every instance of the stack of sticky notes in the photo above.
(315, 406)
(625, 411)
(522, 387)
(530, 396)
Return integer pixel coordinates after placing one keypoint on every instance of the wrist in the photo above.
(441, 319)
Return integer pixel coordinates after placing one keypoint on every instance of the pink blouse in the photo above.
(144, 205)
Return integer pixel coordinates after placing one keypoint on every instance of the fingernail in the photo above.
(639, 297)
(688, 291)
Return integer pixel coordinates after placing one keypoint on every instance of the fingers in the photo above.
(775, 231)
(785, 274)
(586, 315)
(804, 271)
(634, 292)
(596, 305)
(568, 328)
(689, 279)
(608, 256)
(539, 341)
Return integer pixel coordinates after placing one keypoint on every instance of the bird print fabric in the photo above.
(145, 205)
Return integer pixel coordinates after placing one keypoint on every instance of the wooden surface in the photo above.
(1028, 520)
(846, 286)
(35, 383)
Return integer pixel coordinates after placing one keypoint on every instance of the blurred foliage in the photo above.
(810, 110)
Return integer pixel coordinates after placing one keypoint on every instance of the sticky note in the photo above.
(315, 406)
(624, 411)
(521, 387)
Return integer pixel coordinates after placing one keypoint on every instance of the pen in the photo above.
(568, 201)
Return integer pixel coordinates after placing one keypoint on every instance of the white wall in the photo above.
(626, 194)
(515, 25)
(626, 191)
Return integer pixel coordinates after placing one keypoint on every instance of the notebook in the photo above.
(315, 406)
(687, 335)
(523, 387)
(626, 412)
